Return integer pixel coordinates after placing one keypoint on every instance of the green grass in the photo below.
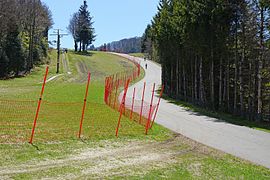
(263, 126)
(58, 124)
(140, 55)
(205, 167)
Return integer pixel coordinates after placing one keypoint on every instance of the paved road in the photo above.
(243, 142)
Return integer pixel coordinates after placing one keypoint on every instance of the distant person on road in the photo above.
(146, 66)
(144, 58)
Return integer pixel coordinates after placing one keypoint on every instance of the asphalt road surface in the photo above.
(246, 143)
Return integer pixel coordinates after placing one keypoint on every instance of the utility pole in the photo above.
(58, 47)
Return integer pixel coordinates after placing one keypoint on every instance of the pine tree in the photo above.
(14, 52)
(85, 30)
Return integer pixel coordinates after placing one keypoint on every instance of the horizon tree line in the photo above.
(127, 45)
(214, 53)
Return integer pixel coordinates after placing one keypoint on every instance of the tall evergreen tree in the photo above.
(14, 51)
(81, 28)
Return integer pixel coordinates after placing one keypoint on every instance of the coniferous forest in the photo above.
(24, 27)
(214, 53)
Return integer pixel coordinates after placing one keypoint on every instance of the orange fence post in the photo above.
(84, 103)
(139, 69)
(142, 103)
(116, 91)
(150, 110)
(105, 89)
(134, 76)
(39, 104)
(161, 92)
(111, 89)
(121, 107)
(132, 106)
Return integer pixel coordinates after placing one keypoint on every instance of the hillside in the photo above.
(130, 45)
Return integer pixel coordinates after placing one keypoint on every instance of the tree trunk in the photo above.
(241, 83)
(224, 85)
(171, 77)
(83, 46)
(184, 83)
(31, 36)
(201, 88)
(260, 64)
(192, 80)
(259, 89)
(195, 79)
(75, 46)
(250, 93)
(180, 84)
(235, 74)
(254, 102)
(212, 92)
(30, 51)
(177, 73)
(228, 85)
(220, 85)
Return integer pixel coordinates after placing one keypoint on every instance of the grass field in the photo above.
(57, 153)
(140, 55)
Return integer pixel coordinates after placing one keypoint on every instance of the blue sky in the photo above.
(114, 19)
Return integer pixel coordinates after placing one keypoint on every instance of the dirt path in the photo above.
(82, 70)
(112, 157)
(52, 78)
(65, 62)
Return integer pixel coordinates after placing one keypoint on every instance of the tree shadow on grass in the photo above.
(84, 53)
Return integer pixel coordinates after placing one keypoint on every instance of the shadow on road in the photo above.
(219, 116)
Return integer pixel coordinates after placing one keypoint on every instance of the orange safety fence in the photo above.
(140, 111)
(57, 121)
(23, 120)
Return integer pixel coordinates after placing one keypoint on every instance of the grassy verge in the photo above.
(124, 158)
(140, 55)
(263, 126)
